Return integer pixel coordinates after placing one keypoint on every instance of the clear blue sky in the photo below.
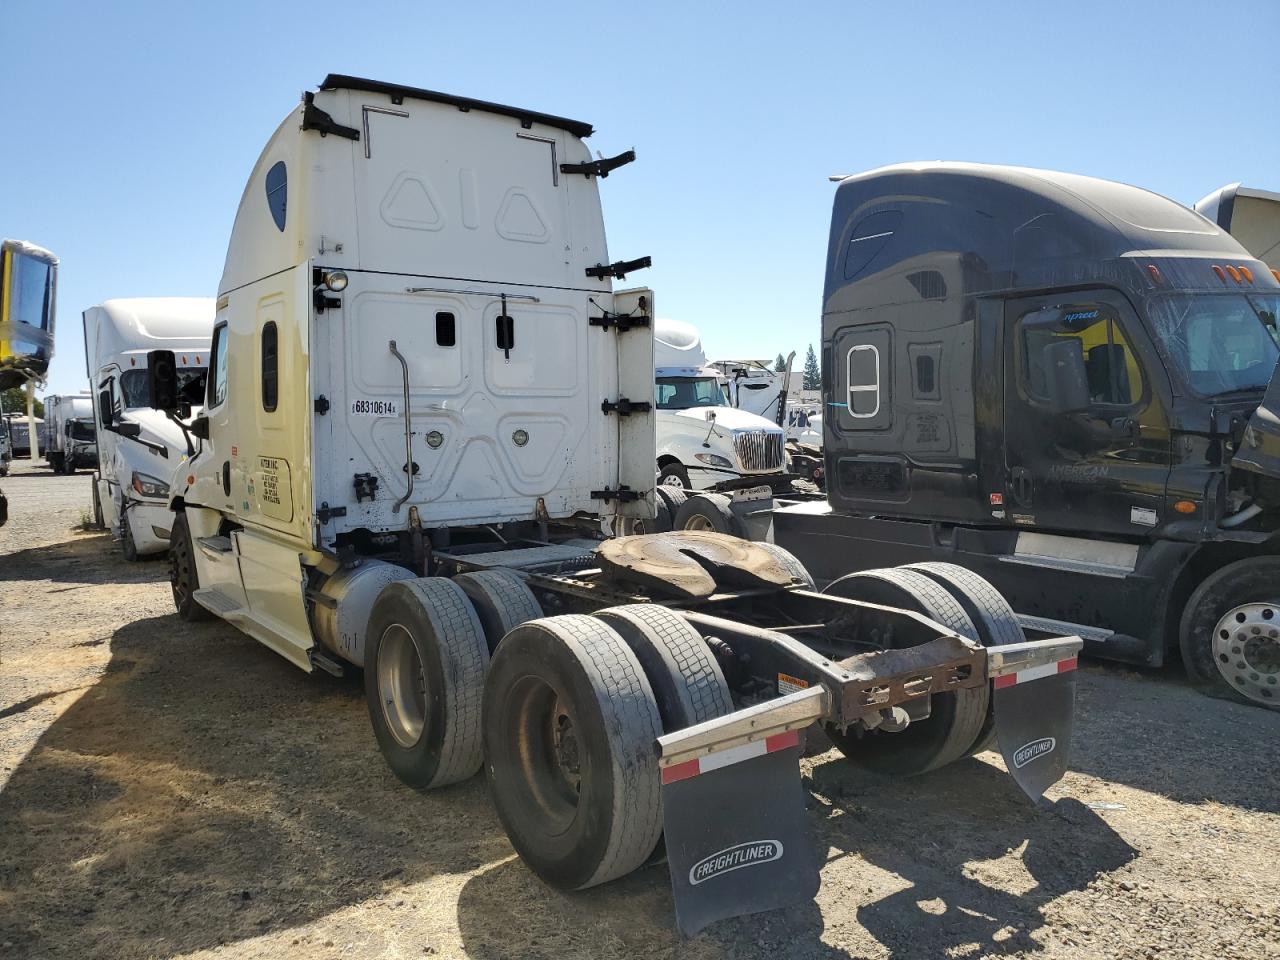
(129, 128)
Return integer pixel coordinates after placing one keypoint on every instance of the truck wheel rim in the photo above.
(697, 522)
(550, 754)
(671, 480)
(402, 686)
(1246, 649)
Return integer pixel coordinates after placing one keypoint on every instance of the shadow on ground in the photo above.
(935, 832)
(89, 558)
(204, 791)
(1154, 731)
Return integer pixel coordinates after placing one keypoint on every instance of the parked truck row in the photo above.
(1042, 393)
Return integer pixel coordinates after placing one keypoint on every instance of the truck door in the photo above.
(1085, 429)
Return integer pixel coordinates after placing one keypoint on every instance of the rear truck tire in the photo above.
(1230, 632)
(674, 497)
(790, 563)
(569, 728)
(502, 601)
(129, 548)
(687, 681)
(99, 520)
(674, 475)
(184, 579)
(990, 612)
(955, 719)
(663, 517)
(709, 511)
(425, 663)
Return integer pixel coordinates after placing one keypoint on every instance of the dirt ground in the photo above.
(174, 790)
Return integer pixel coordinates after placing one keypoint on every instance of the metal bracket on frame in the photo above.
(623, 494)
(624, 407)
(619, 269)
(601, 167)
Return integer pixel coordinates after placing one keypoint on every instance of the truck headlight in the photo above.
(148, 486)
(714, 460)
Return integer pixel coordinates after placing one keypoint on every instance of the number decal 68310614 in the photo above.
(375, 408)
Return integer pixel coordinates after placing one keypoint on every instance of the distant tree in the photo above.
(812, 374)
(14, 400)
(780, 365)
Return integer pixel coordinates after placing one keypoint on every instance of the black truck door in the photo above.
(1086, 435)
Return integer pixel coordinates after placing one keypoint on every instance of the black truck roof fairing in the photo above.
(338, 81)
(1003, 228)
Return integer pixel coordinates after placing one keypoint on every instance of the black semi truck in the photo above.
(1064, 384)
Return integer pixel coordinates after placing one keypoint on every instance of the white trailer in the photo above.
(70, 440)
(138, 446)
(702, 439)
(425, 404)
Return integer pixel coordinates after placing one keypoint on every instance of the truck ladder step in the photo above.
(216, 602)
(214, 546)
(1092, 568)
(1061, 628)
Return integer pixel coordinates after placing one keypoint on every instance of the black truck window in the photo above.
(270, 366)
(218, 382)
(1115, 379)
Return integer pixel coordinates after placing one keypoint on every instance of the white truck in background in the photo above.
(138, 447)
(753, 386)
(69, 439)
(702, 440)
(1250, 215)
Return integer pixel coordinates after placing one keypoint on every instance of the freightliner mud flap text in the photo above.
(733, 805)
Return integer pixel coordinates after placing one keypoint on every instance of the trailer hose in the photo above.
(1242, 516)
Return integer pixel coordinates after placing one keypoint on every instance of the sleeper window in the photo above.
(270, 366)
(864, 381)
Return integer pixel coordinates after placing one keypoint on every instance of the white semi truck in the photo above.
(69, 438)
(407, 472)
(137, 446)
(702, 439)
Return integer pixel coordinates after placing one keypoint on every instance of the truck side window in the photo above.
(864, 381)
(446, 329)
(218, 382)
(270, 366)
(1114, 377)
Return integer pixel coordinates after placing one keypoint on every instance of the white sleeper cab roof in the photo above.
(121, 332)
(677, 350)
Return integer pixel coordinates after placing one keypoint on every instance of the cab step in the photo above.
(215, 548)
(1063, 628)
(217, 602)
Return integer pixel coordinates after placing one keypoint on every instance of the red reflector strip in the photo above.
(780, 741)
(723, 758)
(1034, 673)
(681, 771)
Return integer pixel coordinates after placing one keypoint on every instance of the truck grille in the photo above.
(759, 451)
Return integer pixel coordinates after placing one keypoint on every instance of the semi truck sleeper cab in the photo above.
(1066, 385)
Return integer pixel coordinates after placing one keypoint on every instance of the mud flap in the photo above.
(1034, 710)
(736, 834)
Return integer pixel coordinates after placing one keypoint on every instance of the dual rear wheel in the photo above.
(563, 712)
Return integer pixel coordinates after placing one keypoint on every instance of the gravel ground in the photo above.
(179, 790)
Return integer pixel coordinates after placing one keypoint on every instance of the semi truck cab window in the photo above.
(218, 383)
(1219, 343)
(1114, 376)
